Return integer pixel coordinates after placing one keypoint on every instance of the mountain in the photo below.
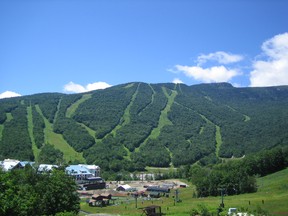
(134, 125)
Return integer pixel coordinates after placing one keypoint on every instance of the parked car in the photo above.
(232, 211)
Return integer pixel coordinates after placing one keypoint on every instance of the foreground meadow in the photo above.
(271, 197)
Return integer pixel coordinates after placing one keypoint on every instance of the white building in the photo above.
(95, 170)
(78, 172)
(9, 164)
(46, 167)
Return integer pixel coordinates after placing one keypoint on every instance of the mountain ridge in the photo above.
(178, 124)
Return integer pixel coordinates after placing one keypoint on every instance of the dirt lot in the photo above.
(138, 185)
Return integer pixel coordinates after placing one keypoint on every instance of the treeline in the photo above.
(245, 115)
(147, 155)
(6, 106)
(190, 138)
(237, 176)
(115, 124)
(48, 103)
(111, 157)
(246, 137)
(144, 116)
(104, 110)
(230, 177)
(15, 142)
(38, 128)
(75, 134)
(144, 112)
(50, 155)
(263, 117)
(26, 192)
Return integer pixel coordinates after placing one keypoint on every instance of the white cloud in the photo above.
(220, 57)
(276, 47)
(97, 85)
(177, 81)
(273, 70)
(217, 73)
(77, 88)
(9, 94)
(73, 87)
(207, 75)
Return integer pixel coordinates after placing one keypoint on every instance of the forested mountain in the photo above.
(134, 125)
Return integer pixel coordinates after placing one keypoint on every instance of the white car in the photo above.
(232, 211)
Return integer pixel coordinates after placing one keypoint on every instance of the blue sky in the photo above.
(76, 46)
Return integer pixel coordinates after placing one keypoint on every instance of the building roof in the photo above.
(24, 163)
(158, 189)
(46, 167)
(90, 167)
(101, 196)
(77, 170)
(125, 187)
(9, 164)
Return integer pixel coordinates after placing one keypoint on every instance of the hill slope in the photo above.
(137, 124)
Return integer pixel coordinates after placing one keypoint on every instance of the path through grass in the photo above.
(59, 142)
(30, 130)
(9, 117)
(163, 118)
(125, 119)
(218, 140)
(71, 109)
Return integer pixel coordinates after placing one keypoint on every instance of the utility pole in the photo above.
(222, 197)
(176, 198)
(176, 195)
(136, 196)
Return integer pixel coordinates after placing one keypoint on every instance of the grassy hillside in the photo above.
(272, 195)
(119, 127)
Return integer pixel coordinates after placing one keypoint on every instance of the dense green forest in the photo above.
(134, 125)
(26, 192)
(237, 176)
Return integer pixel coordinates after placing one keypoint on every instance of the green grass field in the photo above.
(272, 196)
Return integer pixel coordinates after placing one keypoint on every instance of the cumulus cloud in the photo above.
(220, 57)
(77, 88)
(9, 94)
(177, 81)
(207, 75)
(97, 85)
(217, 73)
(273, 70)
